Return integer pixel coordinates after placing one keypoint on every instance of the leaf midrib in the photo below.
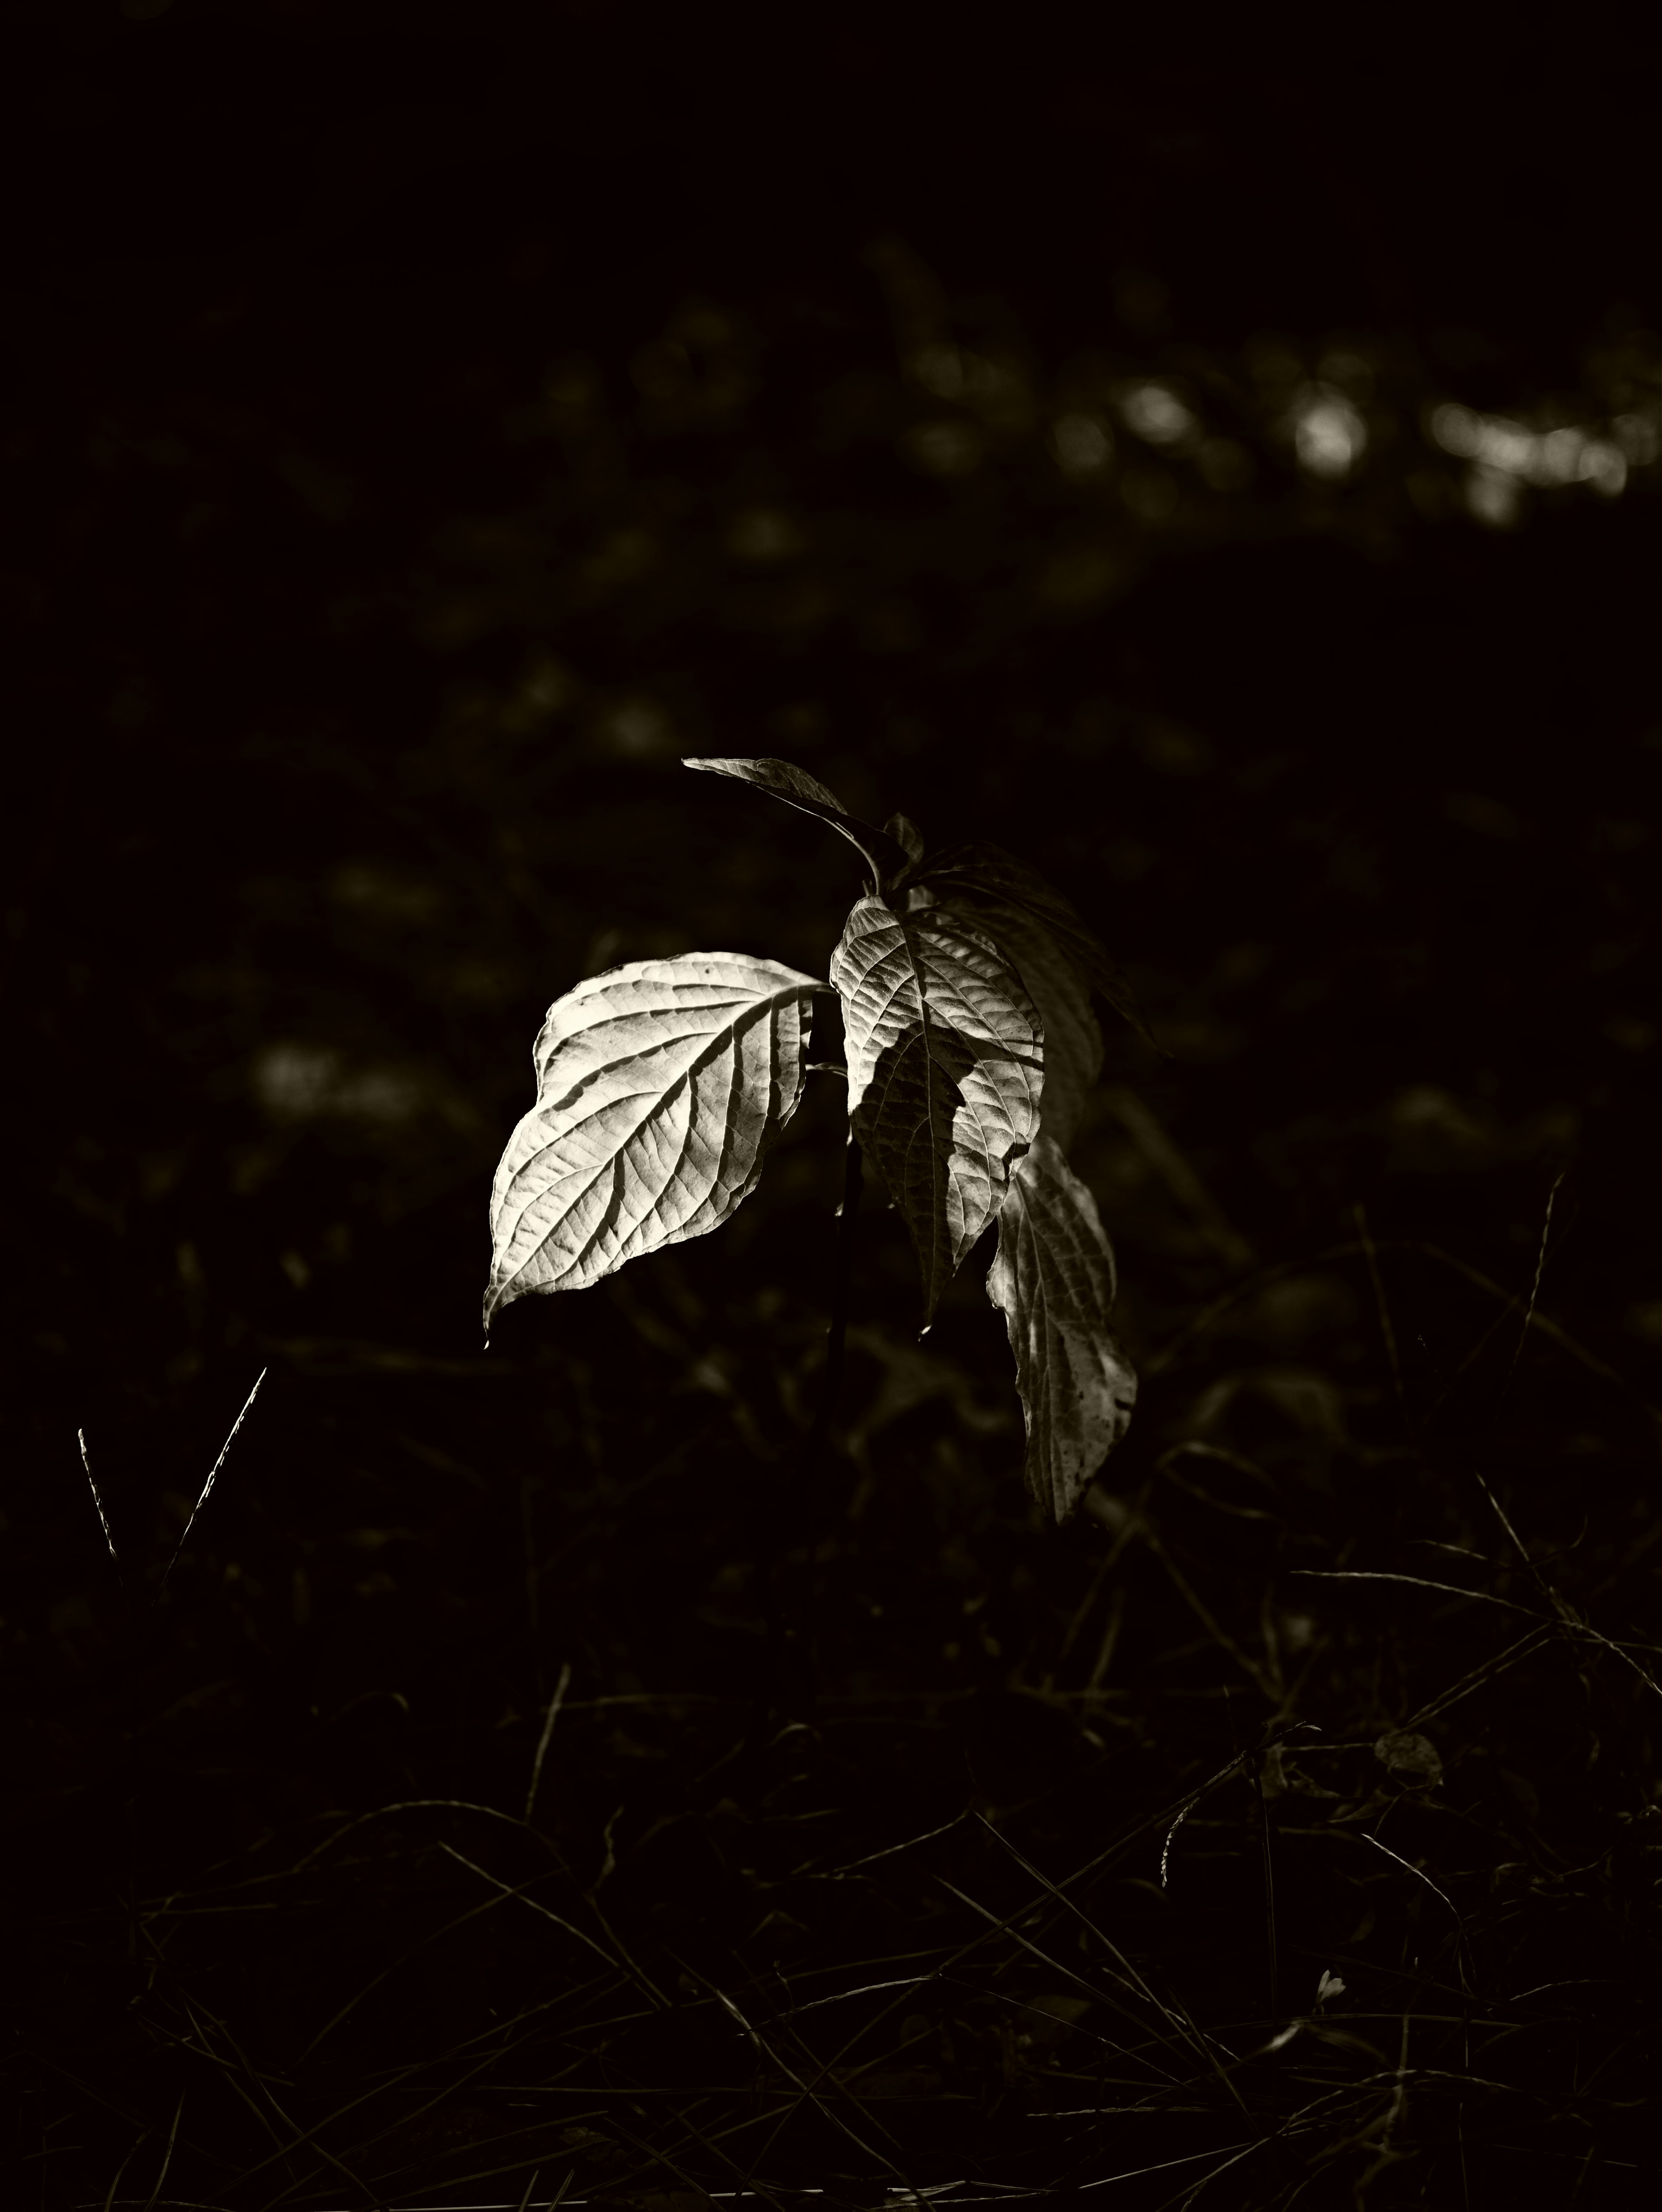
(720, 1040)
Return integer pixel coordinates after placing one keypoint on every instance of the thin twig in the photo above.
(554, 1705)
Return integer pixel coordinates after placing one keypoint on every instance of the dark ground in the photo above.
(422, 429)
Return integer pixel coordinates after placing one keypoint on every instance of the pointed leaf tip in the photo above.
(783, 779)
(1053, 1280)
(660, 1086)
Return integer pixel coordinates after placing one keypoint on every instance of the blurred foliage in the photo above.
(424, 426)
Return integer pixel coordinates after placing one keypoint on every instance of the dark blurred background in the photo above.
(422, 425)
(1228, 478)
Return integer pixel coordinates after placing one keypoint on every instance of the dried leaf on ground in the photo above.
(660, 1085)
(1053, 1280)
(946, 1066)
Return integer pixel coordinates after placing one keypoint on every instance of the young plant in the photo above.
(966, 984)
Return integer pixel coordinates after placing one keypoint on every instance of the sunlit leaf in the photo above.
(946, 1064)
(784, 780)
(1053, 1280)
(659, 1086)
(989, 876)
(1073, 1035)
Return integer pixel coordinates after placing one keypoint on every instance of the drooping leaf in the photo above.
(889, 860)
(946, 1064)
(1053, 1280)
(1073, 1035)
(989, 876)
(659, 1086)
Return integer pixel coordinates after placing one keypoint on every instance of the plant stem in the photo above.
(790, 1630)
(816, 1450)
(831, 1389)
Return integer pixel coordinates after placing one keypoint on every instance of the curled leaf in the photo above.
(946, 1061)
(1053, 1280)
(993, 879)
(659, 1086)
(889, 860)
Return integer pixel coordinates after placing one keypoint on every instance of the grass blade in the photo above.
(213, 1477)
